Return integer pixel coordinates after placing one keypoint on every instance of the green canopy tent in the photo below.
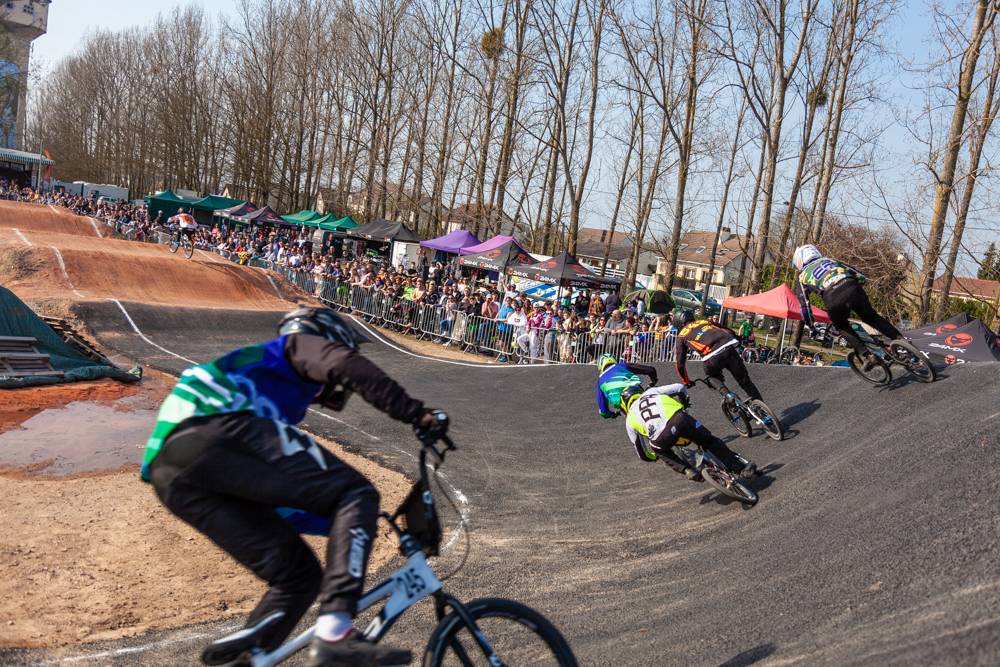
(341, 225)
(658, 302)
(303, 217)
(167, 202)
(204, 209)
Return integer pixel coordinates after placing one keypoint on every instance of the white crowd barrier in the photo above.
(468, 333)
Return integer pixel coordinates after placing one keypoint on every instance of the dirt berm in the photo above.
(49, 253)
(874, 542)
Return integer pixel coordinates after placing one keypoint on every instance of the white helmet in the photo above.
(805, 254)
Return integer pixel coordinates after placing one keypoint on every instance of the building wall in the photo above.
(25, 21)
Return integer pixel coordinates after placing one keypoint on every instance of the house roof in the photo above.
(695, 248)
(970, 287)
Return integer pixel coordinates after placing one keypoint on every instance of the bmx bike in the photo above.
(485, 631)
(882, 356)
(715, 473)
(177, 239)
(743, 414)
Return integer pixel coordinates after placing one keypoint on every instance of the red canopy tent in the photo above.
(778, 302)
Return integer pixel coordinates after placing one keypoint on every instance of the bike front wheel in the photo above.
(910, 358)
(174, 244)
(517, 635)
(768, 420)
(737, 418)
(878, 374)
(726, 483)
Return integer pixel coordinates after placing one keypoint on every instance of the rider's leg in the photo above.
(867, 314)
(712, 368)
(692, 429)
(838, 306)
(224, 475)
(731, 359)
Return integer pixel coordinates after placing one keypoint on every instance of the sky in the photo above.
(71, 20)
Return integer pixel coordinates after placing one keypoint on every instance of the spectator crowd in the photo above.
(440, 300)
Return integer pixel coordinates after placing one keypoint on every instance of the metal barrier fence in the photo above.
(469, 333)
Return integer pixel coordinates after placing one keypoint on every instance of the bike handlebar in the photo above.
(705, 381)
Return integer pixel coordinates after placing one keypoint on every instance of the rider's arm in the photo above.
(602, 403)
(860, 277)
(805, 310)
(319, 360)
(643, 369)
(637, 441)
(681, 354)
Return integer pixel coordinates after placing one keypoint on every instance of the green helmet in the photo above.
(605, 362)
(629, 396)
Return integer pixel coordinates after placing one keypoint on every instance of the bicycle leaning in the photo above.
(882, 356)
(179, 238)
(486, 631)
(741, 414)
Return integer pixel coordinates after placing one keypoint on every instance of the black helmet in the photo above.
(321, 322)
(629, 394)
(682, 317)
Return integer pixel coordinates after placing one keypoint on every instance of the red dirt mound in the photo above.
(51, 254)
(45, 218)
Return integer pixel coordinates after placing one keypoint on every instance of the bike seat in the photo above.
(227, 649)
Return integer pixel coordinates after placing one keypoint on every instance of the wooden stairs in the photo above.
(19, 357)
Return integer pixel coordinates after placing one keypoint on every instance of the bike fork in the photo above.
(470, 623)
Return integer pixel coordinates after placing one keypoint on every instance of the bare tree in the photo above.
(984, 17)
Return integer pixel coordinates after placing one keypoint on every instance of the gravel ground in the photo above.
(874, 542)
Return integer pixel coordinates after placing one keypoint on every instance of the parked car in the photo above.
(863, 332)
(691, 299)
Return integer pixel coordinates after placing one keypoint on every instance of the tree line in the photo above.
(541, 115)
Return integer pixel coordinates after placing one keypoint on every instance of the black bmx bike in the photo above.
(493, 632)
(876, 366)
(181, 237)
(715, 473)
(744, 414)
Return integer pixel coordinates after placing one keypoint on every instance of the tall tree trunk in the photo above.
(975, 155)
(727, 183)
(985, 15)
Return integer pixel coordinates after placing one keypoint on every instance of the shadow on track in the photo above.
(797, 413)
(751, 656)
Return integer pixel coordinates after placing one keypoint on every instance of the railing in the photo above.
(469, 333)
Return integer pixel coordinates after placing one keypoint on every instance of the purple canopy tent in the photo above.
(265, 216)
(490, 244)
(452, 243)
(237, 211)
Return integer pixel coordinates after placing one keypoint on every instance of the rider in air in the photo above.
(718, 347)
(613, 378)
(184, 221)
(226, 458)
(657, 421)
(840, 287)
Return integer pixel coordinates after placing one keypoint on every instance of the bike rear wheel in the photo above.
(518, 634)
(910, 358)
(878, 374)
(768, 420)
(188, 247)
(737, 418)
(725, 483)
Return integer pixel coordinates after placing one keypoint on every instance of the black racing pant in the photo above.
(684, 426)
(846, 296)
(226, 474)
(729, 359)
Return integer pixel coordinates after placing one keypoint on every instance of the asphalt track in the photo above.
(875, 541)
